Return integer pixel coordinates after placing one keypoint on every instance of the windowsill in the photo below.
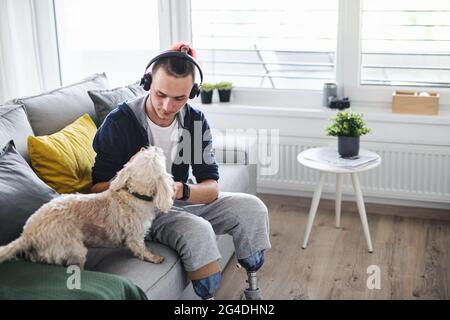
(373, 114)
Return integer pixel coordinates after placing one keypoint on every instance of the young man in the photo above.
(200, 211)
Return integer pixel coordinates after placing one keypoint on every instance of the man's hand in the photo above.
(184, 47)
(100, 187)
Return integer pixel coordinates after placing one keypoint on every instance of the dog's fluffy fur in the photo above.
(61, 230)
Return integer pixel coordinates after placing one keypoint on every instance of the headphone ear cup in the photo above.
(194, 91)
(146, 81)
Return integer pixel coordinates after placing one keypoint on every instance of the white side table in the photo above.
(325, 167)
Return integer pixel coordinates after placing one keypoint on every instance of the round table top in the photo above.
(327, 159)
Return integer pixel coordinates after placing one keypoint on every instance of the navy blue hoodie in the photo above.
(124, 132)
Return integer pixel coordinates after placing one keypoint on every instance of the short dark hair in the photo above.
(176, 67)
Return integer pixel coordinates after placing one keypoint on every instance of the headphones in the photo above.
(146, 80)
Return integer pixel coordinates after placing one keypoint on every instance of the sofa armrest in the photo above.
(241, 151)
(235, 149)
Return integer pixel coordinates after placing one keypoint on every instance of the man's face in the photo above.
(169, 94)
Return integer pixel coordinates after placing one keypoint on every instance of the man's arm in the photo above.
(206, 172)
(102, 186)
(202, 193)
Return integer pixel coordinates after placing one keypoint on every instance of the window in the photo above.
(405, 43)
(368, 47)
(116, 37)
(280, 44)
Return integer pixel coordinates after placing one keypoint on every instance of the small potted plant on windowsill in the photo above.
(348, 126)
(206, 92)
(224, 89)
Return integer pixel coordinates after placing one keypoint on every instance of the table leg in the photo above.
(362, 210)
(313, 209)
(338, 199)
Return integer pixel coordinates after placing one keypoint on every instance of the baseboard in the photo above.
(367, 199)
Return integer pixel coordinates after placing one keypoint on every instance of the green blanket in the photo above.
(33, 281)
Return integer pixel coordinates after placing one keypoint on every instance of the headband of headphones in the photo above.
(176, 54)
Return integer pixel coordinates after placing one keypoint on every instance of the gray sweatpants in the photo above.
(190, 229)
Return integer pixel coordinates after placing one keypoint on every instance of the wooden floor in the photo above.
(411, 248)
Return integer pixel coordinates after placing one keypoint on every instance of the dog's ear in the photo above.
(120, 181)
(164, 193)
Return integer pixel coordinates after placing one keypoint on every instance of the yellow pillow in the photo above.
(64, 159)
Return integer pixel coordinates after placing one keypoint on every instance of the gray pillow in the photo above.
(21, 193)
(14, 125)
(51, 111)
(107, 100)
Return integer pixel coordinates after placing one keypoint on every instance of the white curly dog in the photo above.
(60, 231)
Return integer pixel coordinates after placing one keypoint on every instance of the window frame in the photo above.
(351, 52)
(300, 98)
(175, 25)
(347, 69)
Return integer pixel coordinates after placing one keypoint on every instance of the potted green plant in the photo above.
(348, 126)
(206, 92)
(224, 88)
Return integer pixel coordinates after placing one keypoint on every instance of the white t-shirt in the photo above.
(166, 138)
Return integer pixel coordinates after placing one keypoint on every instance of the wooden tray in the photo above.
(413, 102)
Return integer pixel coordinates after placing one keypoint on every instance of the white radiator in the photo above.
(407, 172)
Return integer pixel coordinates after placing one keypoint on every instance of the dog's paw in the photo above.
(155, 259)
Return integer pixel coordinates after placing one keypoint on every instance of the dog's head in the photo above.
(146, 174)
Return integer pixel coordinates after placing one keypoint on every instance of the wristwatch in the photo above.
(186, 192)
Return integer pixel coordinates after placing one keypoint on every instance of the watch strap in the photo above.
(186, 192)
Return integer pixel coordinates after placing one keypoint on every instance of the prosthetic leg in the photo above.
(252, 264)
(206, 288)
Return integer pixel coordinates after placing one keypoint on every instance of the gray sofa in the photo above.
(49, 112)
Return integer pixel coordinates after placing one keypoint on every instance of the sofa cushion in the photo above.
(22, 193)
(14, 126)
(168, 277)
(64, 159)
(51, 111)
(164, 281)
(107, 100)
